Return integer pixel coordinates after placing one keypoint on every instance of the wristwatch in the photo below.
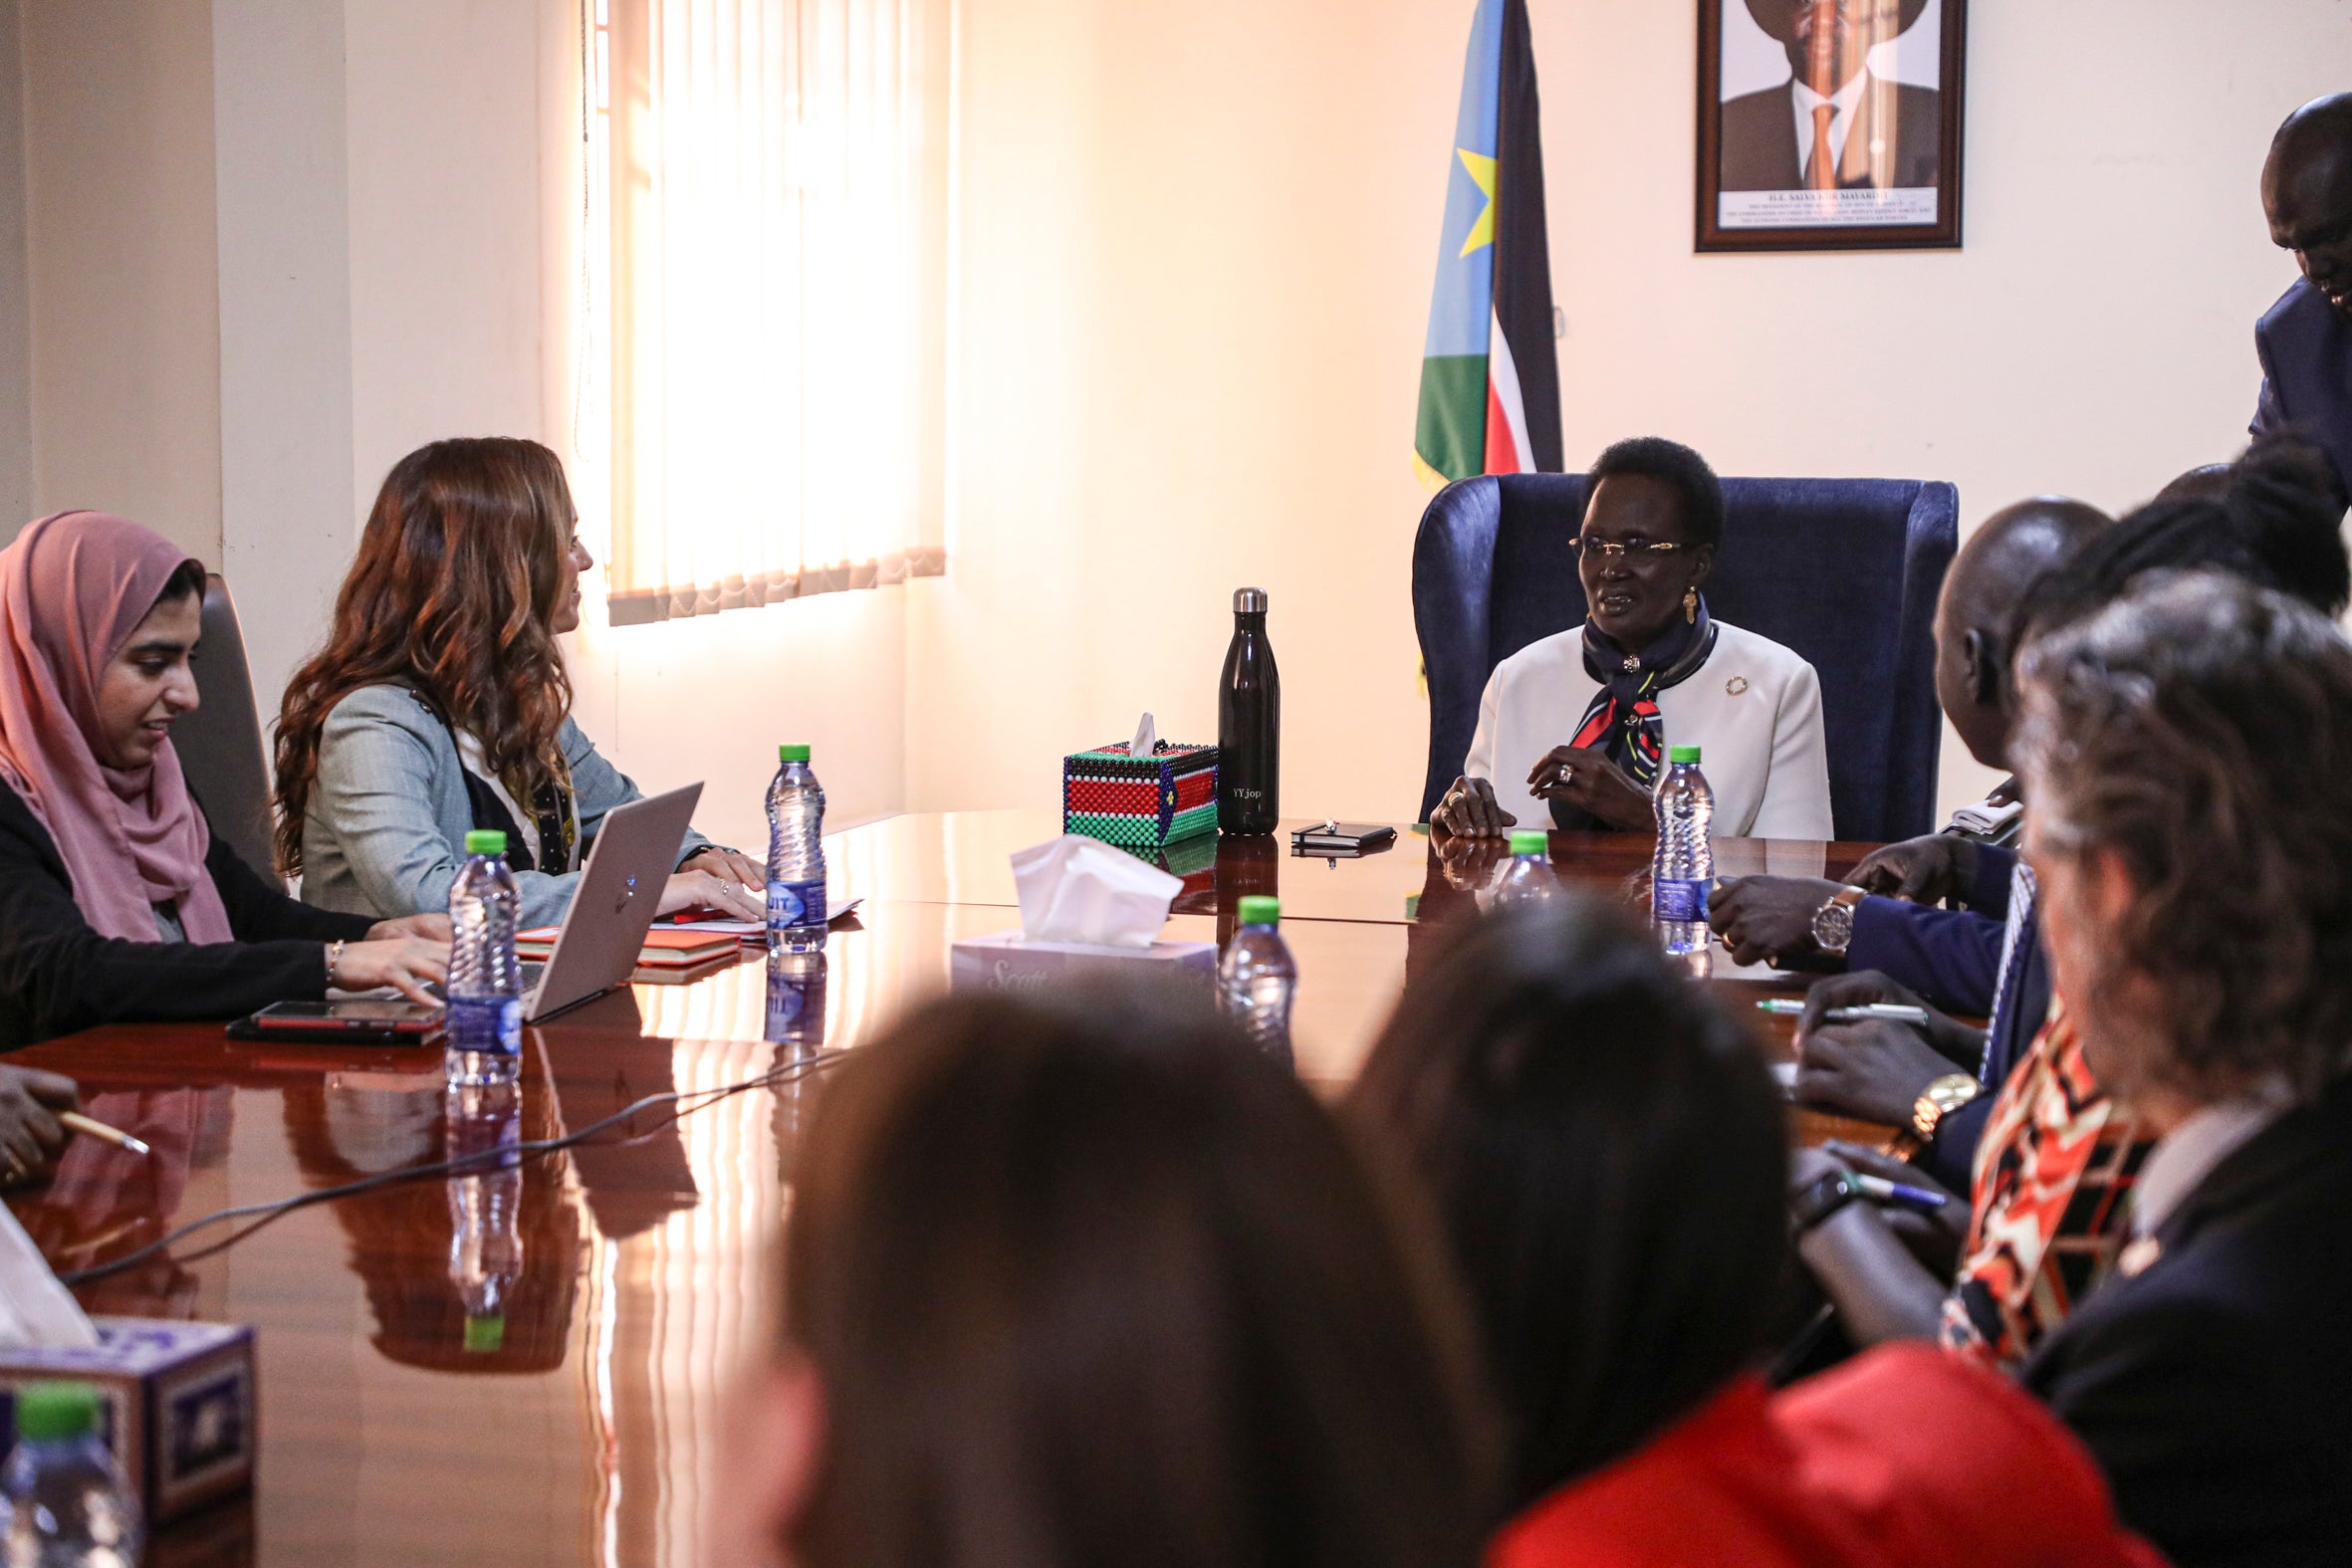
(1822, 1197)
(1939, 1100)
(1833, 922)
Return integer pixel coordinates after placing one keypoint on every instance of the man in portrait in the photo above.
(1834, 126)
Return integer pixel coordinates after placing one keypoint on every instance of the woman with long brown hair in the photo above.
(1085, 1281)
(440, 702)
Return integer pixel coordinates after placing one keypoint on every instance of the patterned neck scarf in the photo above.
(1622, 719)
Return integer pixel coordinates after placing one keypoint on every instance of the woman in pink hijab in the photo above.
(117, 904)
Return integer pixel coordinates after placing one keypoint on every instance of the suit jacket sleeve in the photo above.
(57, 974)
(2169, 1397)
(597, 787)
(1795, 801)
(1950, 956)
(2269, 417)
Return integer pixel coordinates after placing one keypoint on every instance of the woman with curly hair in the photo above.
(440, 702)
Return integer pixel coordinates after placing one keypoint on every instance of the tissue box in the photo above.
(1139, 802)
(1001, 960)
(177, 1405)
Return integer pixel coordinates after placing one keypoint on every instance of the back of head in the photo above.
(1608, 1155)
(2198, 730)
(454, 593)
(1096, 1284)
(1675, 465)
(2277, 522)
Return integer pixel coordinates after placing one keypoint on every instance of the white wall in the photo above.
(1197, 249)
(123, 299)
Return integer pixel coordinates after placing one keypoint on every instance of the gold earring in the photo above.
(1689, 606)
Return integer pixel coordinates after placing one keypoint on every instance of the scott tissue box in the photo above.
(1140, 803)
(177, 1405)
(1003, 960)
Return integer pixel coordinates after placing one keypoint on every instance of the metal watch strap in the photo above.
(1939, 1100)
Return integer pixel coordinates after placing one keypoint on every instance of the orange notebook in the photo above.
(662, 949)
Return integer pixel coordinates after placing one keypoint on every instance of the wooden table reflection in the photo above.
(531, 1364)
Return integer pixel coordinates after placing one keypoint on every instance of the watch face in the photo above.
(1833, 926)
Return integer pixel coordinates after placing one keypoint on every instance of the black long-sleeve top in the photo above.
(58, 975)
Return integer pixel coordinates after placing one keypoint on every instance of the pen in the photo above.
(1892, 1011)
(1880, 1189)
(104, 1134)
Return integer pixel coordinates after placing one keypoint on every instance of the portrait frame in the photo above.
(1757, 218)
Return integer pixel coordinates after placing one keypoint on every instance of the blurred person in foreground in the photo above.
(1092, 1283)
(1607, 1151)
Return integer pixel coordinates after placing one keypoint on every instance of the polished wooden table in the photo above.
(633, 1272)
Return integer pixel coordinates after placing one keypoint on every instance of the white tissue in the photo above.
(1147, 739)
(1082, 890)
(36, 1312)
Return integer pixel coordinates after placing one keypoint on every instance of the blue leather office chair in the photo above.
(1843, 570)
(219, 744)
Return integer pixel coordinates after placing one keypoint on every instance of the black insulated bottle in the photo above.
(1249, 724)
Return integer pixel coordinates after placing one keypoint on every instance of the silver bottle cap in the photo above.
(1248, 601)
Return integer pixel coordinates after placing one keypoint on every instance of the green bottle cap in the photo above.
(53, 1412)
(484, 1334)
(485, 842)
(1529, 841)
(792, 754)
(1682, 754)
(1258, 909)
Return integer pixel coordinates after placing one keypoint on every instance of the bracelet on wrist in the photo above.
(333, 963)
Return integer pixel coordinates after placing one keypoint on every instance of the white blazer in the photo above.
(1755, 709)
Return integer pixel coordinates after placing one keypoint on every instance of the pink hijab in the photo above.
(73, 589)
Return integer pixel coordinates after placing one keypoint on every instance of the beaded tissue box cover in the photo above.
(1140, 803)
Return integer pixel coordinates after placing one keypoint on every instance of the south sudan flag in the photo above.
(1489, 382)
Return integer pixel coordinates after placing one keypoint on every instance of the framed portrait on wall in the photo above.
(1830, 124)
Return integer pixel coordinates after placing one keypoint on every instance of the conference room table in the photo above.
(585, 1420)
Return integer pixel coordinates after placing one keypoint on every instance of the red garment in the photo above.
(1903, 1456)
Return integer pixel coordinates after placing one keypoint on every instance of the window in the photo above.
(773, 205)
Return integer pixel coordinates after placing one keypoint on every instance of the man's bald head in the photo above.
(2308, 194)
(1982, 591)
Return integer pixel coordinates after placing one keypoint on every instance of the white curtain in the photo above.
(776, 214)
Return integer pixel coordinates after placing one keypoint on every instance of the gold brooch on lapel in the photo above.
(1734, 686)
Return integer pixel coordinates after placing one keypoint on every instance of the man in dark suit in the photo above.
(2305, 342)
(1983, 957)
(1834, 127)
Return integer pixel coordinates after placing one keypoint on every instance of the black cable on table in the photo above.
(264, 1214)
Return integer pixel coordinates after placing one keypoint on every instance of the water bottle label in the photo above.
(795, 904)
(492, 1024)
(1679, 900)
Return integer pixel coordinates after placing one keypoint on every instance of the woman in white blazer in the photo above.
(1572, 730)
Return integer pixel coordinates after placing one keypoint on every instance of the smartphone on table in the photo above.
(367, 1020)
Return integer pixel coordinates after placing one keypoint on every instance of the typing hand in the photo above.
(406, 964)
(433, 928)
(1470, 811)
(729, 865)
(1927, 870)
(702, 890)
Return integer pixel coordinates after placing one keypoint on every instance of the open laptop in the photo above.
(635, 852)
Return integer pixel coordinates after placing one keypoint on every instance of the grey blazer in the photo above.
(385, 831)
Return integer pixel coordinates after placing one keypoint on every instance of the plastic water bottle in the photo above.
(1684, 866)
(795, 855)
(1257, 977)
(1529, 878)
(485, 1207)
(69, 1506)
(484, 1040)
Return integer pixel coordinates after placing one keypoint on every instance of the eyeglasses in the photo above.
(1640, 549)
